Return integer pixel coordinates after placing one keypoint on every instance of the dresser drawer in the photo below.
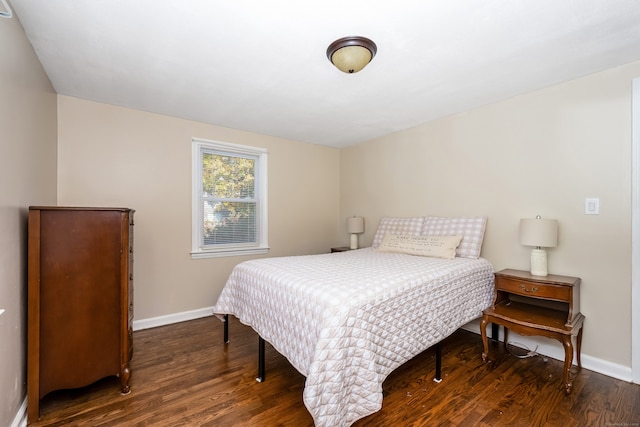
(535, 290)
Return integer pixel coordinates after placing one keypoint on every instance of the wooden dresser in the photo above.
(80, 299)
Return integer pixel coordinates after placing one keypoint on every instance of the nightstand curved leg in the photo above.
(579, 347)
(485, 341)
(568, 359)
(505, 337)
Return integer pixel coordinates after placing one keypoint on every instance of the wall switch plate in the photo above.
(592, 206)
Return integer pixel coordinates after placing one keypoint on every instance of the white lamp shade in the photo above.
(539, 232)
(355, 225)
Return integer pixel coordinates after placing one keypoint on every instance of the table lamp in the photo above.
(355, 226)
(539, 233)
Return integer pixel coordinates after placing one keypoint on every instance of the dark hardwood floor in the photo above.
(183, 375)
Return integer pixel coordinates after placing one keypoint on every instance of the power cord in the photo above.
(529, 353)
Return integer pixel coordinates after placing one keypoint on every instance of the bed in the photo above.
(347, 320)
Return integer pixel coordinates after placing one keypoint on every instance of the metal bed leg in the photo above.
(226, 328)
(261, 363)
(438, 377)
(260, 377)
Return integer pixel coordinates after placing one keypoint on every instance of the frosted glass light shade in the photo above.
(351, 59)
(351, 54)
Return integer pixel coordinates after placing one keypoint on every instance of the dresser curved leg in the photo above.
(124, 381)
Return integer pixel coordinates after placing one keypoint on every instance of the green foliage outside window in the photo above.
(229, 203)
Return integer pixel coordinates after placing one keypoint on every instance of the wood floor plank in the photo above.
(184, 375)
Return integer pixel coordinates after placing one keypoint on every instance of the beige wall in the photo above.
(540, 153)
(113, 156)
(28, 177)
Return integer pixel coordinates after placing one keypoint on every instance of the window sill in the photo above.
(227, 253)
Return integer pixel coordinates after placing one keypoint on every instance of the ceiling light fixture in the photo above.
(351, 54)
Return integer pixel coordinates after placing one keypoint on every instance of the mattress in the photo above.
(347, 320)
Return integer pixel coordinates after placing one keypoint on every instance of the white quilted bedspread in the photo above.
(346, 320)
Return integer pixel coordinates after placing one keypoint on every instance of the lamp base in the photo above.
(539, 262)
(354, 241)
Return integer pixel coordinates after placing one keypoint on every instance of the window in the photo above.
(229, 212)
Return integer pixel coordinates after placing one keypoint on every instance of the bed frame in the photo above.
(261, 365)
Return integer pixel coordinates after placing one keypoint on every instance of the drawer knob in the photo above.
(531, 290)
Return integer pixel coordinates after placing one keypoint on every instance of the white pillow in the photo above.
(471, 228)
(431, 246)
(395, 225)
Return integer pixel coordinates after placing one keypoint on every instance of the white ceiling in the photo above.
(261, 66)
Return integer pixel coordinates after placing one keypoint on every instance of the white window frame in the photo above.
(261, 154)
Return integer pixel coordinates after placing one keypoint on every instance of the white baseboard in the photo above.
(551, 348)
(20, 420)
(168, 319)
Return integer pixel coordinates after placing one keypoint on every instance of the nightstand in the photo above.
(546, 306)
(340, 249)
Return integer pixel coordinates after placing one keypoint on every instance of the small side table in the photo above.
(546, 306)
(340, 249)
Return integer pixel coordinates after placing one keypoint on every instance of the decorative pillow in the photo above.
(472, 231)
(395, 225)
(431, 246)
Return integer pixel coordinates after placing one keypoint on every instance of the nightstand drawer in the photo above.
(533, 289)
